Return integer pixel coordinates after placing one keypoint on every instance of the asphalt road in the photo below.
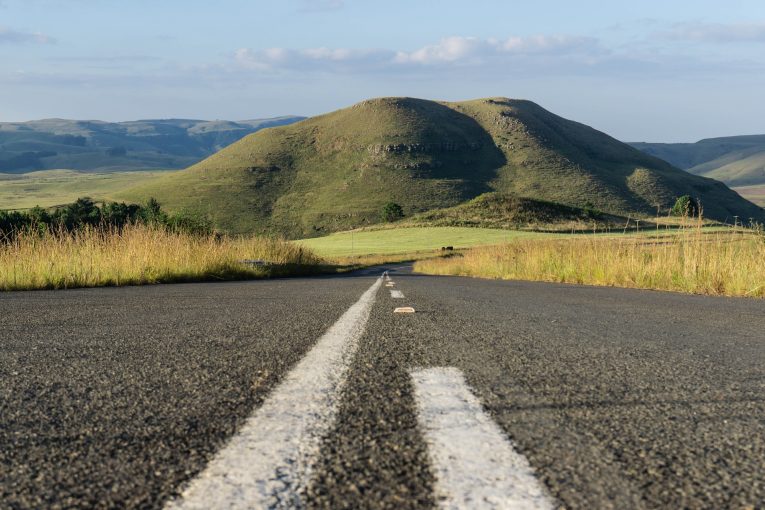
(122, 398)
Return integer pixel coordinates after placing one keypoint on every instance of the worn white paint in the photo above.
(475, 464)
(396, 294)
(268, 463)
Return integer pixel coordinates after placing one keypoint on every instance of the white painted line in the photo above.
(396, 294)
(404, 309)
(268, 463)
(475, 464)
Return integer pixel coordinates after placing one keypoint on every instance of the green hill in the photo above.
(501, 211)
(735, 169)
(735, 160)
(52, 188)
(97, 146)
(335, 171)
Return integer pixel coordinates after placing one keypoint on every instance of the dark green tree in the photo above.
(152, 212)
(686, 206)
(120, 214)
(39, 216)
(589, 210)
(82, 212)
(392, 212)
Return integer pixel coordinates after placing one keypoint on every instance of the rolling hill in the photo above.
(735, 160)
(510, 212)
(335, 171)
(54, 188)
(97, 146)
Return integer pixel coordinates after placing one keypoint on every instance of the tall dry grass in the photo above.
(723, 264)
(140, 254)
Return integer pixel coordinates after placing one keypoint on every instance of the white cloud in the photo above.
(718, 32)
(311, 58)
(10, 36)
(555, 44)
(465, 49)
(448, 51)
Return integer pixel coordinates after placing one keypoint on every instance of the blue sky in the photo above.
(649, 70)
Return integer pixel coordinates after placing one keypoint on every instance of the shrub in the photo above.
(392, 212)
(685, 206)
(589, 210)
(84, 212)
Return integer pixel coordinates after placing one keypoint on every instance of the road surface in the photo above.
(312, 392)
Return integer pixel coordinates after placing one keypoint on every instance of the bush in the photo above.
(589, 210)
(392, 212)
(84, 213)
(685, 206)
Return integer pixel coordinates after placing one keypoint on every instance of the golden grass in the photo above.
(722, 264)
(141, 254)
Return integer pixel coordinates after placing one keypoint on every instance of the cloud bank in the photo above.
(10, 36)
(465, 49)
(457, 50)
(718, 32)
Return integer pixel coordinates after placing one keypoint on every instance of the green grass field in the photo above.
(406, 240)
(56, 187)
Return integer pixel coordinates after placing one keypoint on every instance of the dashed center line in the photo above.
(476, 465)
(268, 463)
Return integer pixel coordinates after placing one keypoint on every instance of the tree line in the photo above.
(84, 212)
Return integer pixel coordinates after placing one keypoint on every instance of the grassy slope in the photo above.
(562, 161)
(736, 169)
(148, 144)
(503, 211)
(328, 173)
(755, 193)
(735, 160)
(323, 174)
(50, 188)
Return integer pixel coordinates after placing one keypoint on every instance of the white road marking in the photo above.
(396, 294)
(404, 309)
(475, 464)
(268, 463)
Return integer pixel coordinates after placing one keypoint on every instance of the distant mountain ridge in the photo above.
(336, 171)
(734, 160)
(114, 146)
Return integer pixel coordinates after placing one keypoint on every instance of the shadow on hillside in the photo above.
(466, 151)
